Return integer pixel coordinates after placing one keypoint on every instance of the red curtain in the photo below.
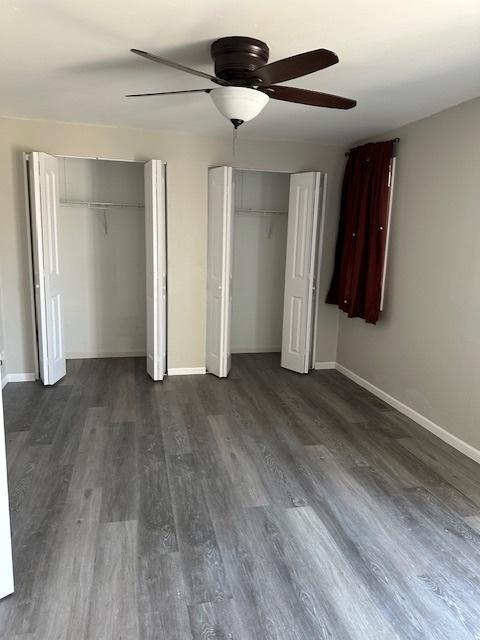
(356, 285)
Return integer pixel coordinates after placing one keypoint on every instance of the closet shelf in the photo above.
(265, 212)
(101, 205)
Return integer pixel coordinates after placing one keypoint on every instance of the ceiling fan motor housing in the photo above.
(247, 82)
(235, 57)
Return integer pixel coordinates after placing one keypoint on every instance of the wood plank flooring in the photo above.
(268, 506)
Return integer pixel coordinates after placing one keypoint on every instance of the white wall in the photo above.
(425, 350)
(102, 259)
(259, 261)
(188, 158)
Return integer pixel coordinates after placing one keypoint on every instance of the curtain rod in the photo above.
(396, 140)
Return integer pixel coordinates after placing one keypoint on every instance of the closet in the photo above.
(101, 233)
(265, 232)
(97, 232)
(259, 255)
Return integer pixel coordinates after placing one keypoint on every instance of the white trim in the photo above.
(80, 355)
(186, 371)
(319, 258)
(260, 170)
(286, 171)
(311, 347)
(324, 365)
(389, 220)
(241, 350)
(423, 421)
(61, 155)
(18, 377)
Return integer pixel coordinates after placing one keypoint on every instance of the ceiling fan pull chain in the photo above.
(234, 141)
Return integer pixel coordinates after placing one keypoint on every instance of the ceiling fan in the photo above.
(246, 82)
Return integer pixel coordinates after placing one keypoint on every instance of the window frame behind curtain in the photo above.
(391, 184)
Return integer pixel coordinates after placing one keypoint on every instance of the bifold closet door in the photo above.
(156, 269)
(6, 565)
(298, 323)
(44, 205)
(219, 270)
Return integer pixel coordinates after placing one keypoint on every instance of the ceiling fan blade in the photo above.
(313, 98)
(166, 93)
(295, 66)
(176, 65)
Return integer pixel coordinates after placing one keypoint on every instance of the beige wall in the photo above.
(3, 367)
(425, 350)
(187, 158)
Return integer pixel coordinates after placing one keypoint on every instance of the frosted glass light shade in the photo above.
(239, 103)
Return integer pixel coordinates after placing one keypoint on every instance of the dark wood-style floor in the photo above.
(266, 506)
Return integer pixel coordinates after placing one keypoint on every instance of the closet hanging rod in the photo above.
(265, 212)
(101, 205)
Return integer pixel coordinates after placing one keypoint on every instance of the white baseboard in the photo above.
(256, 349)
(186, 371)
(104, 354)
(423, 421)
(324, 365)
(18, 377)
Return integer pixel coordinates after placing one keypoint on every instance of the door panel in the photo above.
(299, 270)
(295, 340)
(44, 202)
(156, 269)
(219, 270)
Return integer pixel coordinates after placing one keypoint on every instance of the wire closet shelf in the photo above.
(261, 212)
(101, 205)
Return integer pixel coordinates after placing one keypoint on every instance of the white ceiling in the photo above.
(69, 60)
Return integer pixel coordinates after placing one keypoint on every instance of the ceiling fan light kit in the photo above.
(239, 104)
(246, 82)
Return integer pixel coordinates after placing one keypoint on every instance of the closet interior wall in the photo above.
(259, 254)
(102, 249)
